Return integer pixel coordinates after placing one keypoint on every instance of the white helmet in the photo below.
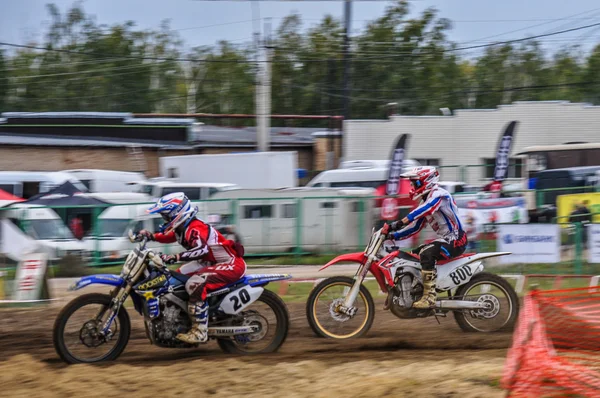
(176, 209)
(423, 179)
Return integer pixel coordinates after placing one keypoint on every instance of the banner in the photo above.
(567, 204)
(30, 277)
(481, 215)
(593, 231)
(389, 206)
(503, 152)
(529, 243)
(396, 161)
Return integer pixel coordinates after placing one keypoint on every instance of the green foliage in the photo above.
(399, 57)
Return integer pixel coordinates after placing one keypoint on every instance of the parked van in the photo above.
(26, 184)
(46, 227)
(110, 239)
(122, 197)
(194, 191)
(358, 174)
(97, 180)
(579, 179)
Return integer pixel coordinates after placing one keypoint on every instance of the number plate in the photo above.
(451, 278)
(239, 299)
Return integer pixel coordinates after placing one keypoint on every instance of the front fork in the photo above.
(119, 297)
(358, 280)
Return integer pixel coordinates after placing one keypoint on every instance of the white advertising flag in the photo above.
(529, 243)
(30, 277)
(593, 231)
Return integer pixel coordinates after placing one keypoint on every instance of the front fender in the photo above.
(100, 279)
(350, 257)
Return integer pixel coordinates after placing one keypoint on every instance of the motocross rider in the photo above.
(438, 209)
(213, 261)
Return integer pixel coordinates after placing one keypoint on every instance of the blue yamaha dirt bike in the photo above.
(244, 317)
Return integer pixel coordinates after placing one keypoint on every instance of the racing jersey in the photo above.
(202, 242)
(439, 210)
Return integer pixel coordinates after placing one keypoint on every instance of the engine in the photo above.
(171, 321)
(408, 289)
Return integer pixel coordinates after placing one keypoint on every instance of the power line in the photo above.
(119, 94)
(455, 49)
(532, 26)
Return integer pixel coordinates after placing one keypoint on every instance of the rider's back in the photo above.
(443, 217)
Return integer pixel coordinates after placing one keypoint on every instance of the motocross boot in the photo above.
(198, 333)
(429, 293)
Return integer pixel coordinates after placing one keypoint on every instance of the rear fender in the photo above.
(350, 257)
(263, 279)
(100, 279)
(239, 299)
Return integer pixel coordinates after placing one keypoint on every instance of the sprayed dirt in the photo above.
(396, 358)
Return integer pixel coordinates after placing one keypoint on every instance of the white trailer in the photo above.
(317, 219)
(255, 170)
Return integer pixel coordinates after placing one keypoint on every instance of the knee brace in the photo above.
(427, 256)
(195, 286)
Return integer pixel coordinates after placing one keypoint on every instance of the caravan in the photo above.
(312, 219)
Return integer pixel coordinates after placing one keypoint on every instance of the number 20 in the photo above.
(243, 297)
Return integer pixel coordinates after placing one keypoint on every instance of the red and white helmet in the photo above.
(423, 179)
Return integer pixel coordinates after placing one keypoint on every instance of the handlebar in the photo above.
(155, 258)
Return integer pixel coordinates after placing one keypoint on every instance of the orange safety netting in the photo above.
(556, 345)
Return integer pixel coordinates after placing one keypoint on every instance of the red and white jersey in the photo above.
(202, 242)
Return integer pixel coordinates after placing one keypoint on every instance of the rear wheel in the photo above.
(270, 314)
(323, 304)
(500, 298)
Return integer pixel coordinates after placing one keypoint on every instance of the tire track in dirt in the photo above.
(397, 357)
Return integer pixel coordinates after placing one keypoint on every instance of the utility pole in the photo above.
(267, 84)
(259, 80)
(346, 81)
(263, 93)
(330, 157)
(191, 87)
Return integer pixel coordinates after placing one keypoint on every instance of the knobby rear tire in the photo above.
(281, 331)
(460, 317)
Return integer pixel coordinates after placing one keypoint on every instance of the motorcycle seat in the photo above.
(179, 276)
(409, 256)
(442, 262)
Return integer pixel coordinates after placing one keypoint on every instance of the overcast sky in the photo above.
(26, 20)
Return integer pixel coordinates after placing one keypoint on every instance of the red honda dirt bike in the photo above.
(341, 307)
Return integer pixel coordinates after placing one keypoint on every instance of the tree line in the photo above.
(86, 66)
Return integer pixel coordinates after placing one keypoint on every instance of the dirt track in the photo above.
(397, 358)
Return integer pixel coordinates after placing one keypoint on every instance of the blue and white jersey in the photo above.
(439, 211)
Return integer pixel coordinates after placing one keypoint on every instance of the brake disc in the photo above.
(492, 307)
(90, 336)
(335, 314)
(255, 319)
